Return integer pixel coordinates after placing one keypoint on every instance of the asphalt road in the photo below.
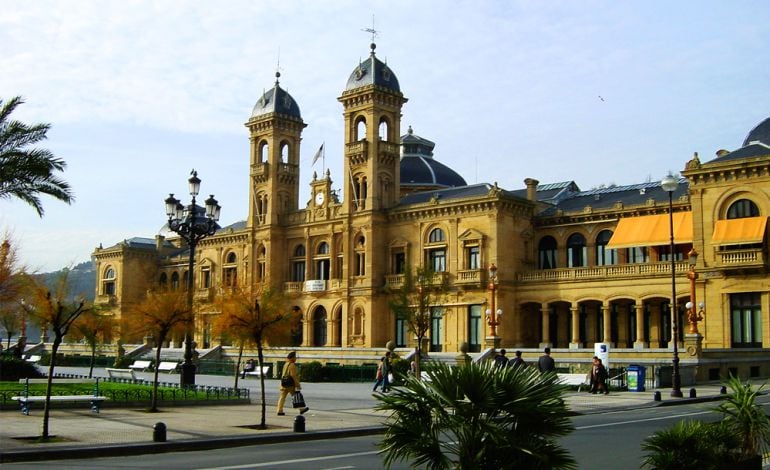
(601, 441)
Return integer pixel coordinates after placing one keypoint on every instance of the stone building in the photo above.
(573, 267)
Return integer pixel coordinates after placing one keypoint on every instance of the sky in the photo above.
(139, 93)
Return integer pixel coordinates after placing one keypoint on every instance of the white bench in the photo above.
(95, 400)
(168, 366)
(264, 370)
(121, 373)
(34, 359)
(573, 379)
(140, 365)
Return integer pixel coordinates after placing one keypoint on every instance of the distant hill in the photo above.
(81, 279)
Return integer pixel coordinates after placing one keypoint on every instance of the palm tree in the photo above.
(474, 416)
(26, 172)
(691, 445)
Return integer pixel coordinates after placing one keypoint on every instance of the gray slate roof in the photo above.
(373, 71)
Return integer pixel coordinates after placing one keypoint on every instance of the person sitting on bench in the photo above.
(249, 366)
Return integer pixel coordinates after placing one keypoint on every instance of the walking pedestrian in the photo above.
(517, 361)
(546, 363)
(500, 360)
(289, 383)
(383, 370)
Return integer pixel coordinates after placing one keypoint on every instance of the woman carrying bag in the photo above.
(290, 384)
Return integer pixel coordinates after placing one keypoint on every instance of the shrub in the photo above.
(13, 369)
(311, 372)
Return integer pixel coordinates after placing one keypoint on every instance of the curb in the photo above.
(122, 450)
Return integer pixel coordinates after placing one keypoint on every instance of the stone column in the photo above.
(575, 341)
(546, 331)
(641, 341)
(607, 323)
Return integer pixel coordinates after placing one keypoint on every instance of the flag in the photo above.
(318, 154)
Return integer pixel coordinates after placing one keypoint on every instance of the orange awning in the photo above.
(651, 230)
(739, 231)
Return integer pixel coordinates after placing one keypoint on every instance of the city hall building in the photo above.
(571, 267)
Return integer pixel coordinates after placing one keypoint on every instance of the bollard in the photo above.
(723, 390)
(299, 424)
(656, 396)
(159, 432)
(693, 394)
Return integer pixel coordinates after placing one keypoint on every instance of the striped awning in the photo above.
(651, 230)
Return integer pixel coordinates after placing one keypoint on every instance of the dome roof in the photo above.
(276, 100)
(760, 133)
(420, 169)
(373, 71)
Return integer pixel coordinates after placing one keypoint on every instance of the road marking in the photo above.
(659, 418)
(293, 461)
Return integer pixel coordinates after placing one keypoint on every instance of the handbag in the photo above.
(298, 401)
(287, 381)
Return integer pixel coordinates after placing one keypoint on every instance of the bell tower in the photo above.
(372, 103)
(275, 131)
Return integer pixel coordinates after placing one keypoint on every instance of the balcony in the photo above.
(740, 258)
(470, 276)
(204, 294)
(602, 272)
(394, 281)
(293, 287)
(109, 300)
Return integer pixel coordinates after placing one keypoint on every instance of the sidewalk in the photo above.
(336, 410)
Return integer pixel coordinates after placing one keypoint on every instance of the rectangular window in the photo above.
(401, 333)
(475, 328)
(638, 255)
(322, 269)
(606, 256)
(474, 257)
(399, 263)
(206, 278)
(298, 271)
(436, 329)
(230, 277)
(746, 320)
(437, 260)
(360, 268)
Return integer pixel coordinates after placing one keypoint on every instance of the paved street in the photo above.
(335, 409)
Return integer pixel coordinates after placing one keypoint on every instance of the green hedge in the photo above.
(13, 369)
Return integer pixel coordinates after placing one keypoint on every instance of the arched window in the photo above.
(383, 129)
(261, 259)
(263, 152)
(605, 256)
(230, 270)
(322, 262)
(361, 129)
(284, 152)
(436, 251)
(741, 209)
(163, 280)
(360, 256)
(576, 251)
(319, 327)
(108, 282)
(298, 264)
(175, 281)
(546, 253)
(436, 236)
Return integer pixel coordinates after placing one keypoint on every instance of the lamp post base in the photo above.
(187, 376)
(492, 341)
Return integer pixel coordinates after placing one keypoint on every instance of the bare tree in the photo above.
(420, 296)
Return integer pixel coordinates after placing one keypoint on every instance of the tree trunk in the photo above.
(154, 407)
(238, 366)
(261, 357)
(93, 361)
(47, 408)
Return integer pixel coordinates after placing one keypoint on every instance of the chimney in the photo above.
(531, 188)
(159, 239)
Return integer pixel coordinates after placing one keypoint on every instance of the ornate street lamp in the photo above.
(693, 317)
(670, 184)
(493, 315)
(193, 223)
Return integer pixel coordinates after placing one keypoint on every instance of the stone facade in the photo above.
(566, 276)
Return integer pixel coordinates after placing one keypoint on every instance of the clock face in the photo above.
(319, 198)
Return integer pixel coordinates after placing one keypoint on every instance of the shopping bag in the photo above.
(298, 401)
